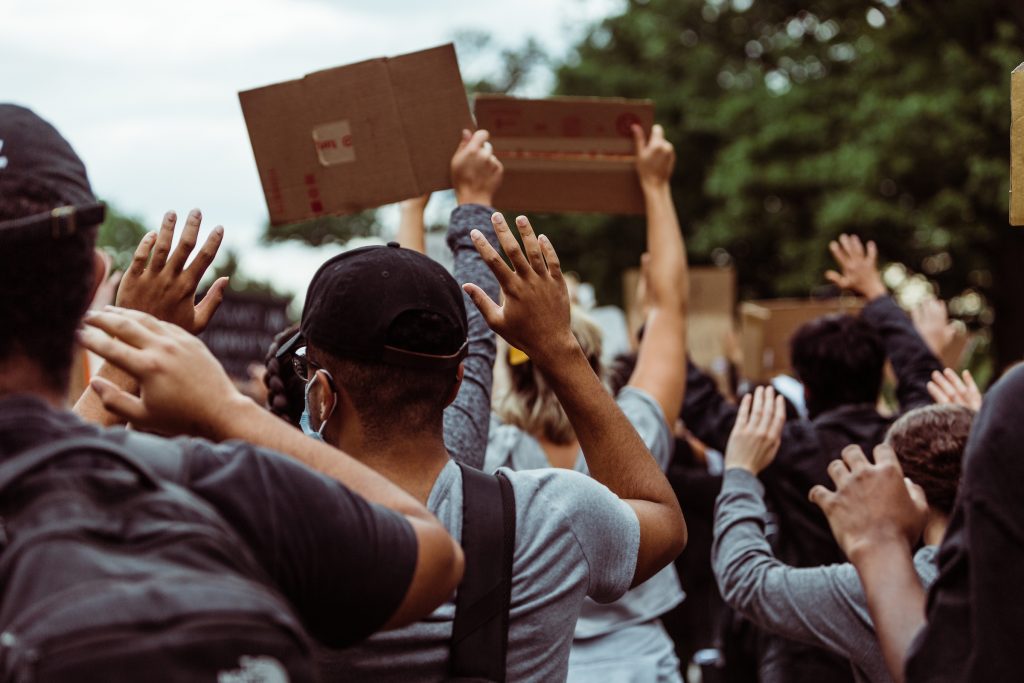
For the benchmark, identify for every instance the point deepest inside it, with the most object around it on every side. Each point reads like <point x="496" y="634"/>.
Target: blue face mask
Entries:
<point x="304" y="420"/>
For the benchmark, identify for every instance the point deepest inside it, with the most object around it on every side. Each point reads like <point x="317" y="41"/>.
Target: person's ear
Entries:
<point x="459" y="374"/>
<point x="100" y="268"/>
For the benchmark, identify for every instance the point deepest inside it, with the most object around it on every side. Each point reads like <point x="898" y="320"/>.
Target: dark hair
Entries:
<point x="839" y="359"/>
<point x="388" y="396"/>
<point x="620" y="370"/>
<point x="929" y="442"/>
<point x="46" y="284"/>
<point x="285" y="389"/>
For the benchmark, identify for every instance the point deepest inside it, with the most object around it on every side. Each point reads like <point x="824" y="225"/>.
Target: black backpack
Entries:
<point x="479" y="647"/>
<point x="110" y="573"/>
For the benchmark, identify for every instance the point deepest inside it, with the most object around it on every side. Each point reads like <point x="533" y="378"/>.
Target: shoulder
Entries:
<point x="646" y="416"/>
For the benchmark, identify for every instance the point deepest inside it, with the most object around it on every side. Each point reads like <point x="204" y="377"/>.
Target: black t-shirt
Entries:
<point x="976" y="606"/>
<point x="343" y="564"/>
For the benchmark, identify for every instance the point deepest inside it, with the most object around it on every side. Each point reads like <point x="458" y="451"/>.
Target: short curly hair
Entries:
<point x="46" y="283"/>
<point x="929" y="442"/>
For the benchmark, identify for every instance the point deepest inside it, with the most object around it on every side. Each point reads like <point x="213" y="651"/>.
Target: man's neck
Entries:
<point x="18" y="375"/>
<point x="412" y="461"/>
<point x="935" y="529"/>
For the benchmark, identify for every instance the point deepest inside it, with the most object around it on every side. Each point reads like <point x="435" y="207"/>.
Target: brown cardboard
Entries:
<point x="1017" y="146"/>
<point x="566" y="154"/>
<point x="766" y="327"/>
<point x="354" y="137"/>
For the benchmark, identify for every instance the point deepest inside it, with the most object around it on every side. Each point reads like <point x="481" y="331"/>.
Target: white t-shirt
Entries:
<point x="574" y="539"/>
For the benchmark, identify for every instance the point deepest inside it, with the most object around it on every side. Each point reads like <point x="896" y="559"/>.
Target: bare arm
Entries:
<point x="661" y="360"/>
<point x="876" y="516"/>
<point x="184" y="390"/>
<point x="535" y="318"/>
<point x="411" y="227"/>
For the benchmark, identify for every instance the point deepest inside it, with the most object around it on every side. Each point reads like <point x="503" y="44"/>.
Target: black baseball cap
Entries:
<point x="356" y="297"/>
<point x="32" y="149"/>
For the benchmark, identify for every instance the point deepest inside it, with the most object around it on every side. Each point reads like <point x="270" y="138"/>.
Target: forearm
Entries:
<point x="895" y="598"/>
<point x="245" y="420"/>
<point x="912" y="360"/>
<point x="90" y="408"/>
<point x="412" y="228"/>
<point x="668" y="277"/>
<point x="467" y="419"/>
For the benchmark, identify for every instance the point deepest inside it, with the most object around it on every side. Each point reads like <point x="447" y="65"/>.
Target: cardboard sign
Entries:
<point x="766" y="327"/>
<point x="355" y="137"/>
<point x="244" y="328"/>
<point x="710" y="314"/>
<point x="566" y="154"/>
<point x="1017" y="146"/>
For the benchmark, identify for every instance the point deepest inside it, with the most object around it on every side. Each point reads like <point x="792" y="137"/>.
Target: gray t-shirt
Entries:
<point x="509" y="446"/>
<point x="823" y="606"/>
<point x="574" y="539"/>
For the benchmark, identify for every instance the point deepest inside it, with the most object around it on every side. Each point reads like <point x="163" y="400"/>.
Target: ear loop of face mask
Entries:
<point x="304" y="421"/>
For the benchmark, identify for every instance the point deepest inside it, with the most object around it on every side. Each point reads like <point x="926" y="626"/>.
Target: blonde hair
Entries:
<point x="530" y="404"/>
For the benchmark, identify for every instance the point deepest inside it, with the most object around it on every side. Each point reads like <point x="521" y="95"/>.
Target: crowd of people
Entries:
<point x="445" y="483"/>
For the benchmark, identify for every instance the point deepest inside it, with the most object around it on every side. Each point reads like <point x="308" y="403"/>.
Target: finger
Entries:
<point x="854" y="458"/>
<point x="187" y="242"/>
<point x="969" y="382"/>
<point x="768" y="410"/>
<point x="124" y="327"/>
<point x="163" y="241"/>
<point x="743" y="416"/>
<point x="779" y="418"/>
<point x="488" y="309"/>
<point x="943" y="383"/>
<point x="115" y="351"/>
<point x="118" y="401"/>
<point x="466" y="135"/>
<point x="207" y="253"/>
<point x="141" y="256"/>
<point x="838" y="251"/>
<point x="531" y="245"/>
<point x="885" y="455"/>
<point x="835" y="278"/>
<point x="937" y="394"/>
<point x="639" y="139"/>
<point x="822" y="497"/>
<point x="509" y="244"/>
<point x="491" y="258"/>
<point x="838" y="472"/>
<point x="551" y="257"/>
<point x="657" y="133"/>
<point x="955" y="381"/>
<point x="856" y="246"/>
<point x="872" y="252"/>
<point x="757" y="406"/>
<point x="917" y="495"/>
<point x="209" y="305"/>
<point x="477" y="140"/>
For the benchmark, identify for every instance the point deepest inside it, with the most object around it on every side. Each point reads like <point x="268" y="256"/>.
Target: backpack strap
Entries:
<point x="479" y="644"/>
<point x="27" y="462"/>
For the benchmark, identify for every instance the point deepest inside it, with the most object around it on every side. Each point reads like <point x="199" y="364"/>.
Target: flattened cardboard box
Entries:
<point x="566" y="154"/>
<point x="1017" y="146"/>
<point x="355" y="137"/>
<point x="766" y="327"/>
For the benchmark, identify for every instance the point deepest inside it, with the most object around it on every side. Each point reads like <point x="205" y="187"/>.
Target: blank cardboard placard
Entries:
<point x="355" y="137"/>
<point x="566" y="154"/>
<point x="767" y="326"/>
<point x="1017" y="146"/>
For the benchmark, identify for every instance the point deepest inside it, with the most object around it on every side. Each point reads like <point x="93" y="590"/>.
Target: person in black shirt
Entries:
<point x="350" y="553"/>
<point x="840" y="361"/>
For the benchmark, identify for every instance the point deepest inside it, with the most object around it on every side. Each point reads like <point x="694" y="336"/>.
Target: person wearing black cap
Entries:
<point x="315" y="547"/>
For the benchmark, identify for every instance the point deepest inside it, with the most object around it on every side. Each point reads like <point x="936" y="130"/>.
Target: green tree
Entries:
<point x="119" y="235"/>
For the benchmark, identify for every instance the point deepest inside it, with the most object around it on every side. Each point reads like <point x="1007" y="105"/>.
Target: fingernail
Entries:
<point x="218" y="231"/>
<point x="171" y="216"/>
<point x="195" y="213"/>
<point x="520" y="220"/>
<point x="496" y="218"/>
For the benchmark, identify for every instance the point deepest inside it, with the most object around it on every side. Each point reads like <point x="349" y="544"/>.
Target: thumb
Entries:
<point x="209" y="305"/>
<point x="639" y="139"/>
<point x="835" y="278"/>
<point x="118" y="401"/>
<point x="490" y="310"/>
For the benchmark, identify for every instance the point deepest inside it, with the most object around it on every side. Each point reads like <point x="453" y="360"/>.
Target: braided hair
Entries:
<point x="285" y="390"/>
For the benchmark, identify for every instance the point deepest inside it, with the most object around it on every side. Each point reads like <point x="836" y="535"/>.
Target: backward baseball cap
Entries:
<point x="32" y="150"/>
<point x="355" y="298"/>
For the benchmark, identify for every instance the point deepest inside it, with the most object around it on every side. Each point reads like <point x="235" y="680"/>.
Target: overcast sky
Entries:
<point x="146" y="92"/>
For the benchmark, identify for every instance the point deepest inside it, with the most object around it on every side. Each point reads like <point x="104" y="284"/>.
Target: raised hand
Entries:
<point x="534" y="316"/>
<point x="476" y="172"/>
<point x="757" y="434"/>
<point x="157" y="281"/>
<point x="655" y="158"/>
<point x="873" y="504"/>
<point x="859" y="265"/>
<point x="183" y="388"/>
<point x="931" y="320"/>
<point x="947" y="387"/>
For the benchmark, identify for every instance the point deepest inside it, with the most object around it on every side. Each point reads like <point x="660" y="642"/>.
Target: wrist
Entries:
<point x="874" y="290"/>
<point x="558" y="355"/>
<point x="227" y="419"/>
<point x="882" y="542"/>
<point x="741" y="466"/>
<point x="656" y="188"/>
<point x="472" y="196"/>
